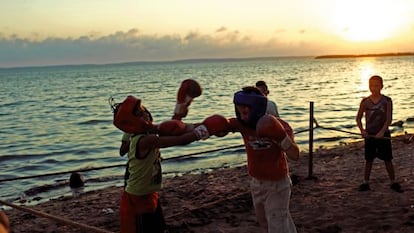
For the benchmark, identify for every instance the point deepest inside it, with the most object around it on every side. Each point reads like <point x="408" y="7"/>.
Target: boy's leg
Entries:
<point x="368" y="168"/>
<point x="277" y="207"/>
<point x="385" y="153"/>
<point x="367" y="173"/>
<point x="127" y="214"/>
<point x="259" y="195"/>
<point x="390" y="169"/>
<point x="370" y="154"/>
<point x="154" y="222"/>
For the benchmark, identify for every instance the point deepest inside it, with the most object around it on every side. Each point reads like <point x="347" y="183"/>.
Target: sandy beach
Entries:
<point x="326" y="202"/>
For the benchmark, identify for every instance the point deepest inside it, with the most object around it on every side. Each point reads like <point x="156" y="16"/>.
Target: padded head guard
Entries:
<point x="128" y="116"/>
<point x="255" y="100"/>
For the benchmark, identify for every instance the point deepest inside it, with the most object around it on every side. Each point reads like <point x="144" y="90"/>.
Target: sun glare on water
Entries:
<point x="366" y="70"/>
<point x="366" y="20"/>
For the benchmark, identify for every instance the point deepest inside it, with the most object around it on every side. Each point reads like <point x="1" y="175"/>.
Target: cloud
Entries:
<point x="132" y="45"/>
<point x="221" y="29"/>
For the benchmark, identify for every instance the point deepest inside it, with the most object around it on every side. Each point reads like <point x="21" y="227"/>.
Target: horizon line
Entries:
<point x="199" y="60"/>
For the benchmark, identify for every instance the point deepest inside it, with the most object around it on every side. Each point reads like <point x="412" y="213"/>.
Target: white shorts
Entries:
<point x="271" y="203"/>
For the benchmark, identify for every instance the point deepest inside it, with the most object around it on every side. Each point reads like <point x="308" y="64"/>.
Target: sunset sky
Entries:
<point x="54" y="32"/>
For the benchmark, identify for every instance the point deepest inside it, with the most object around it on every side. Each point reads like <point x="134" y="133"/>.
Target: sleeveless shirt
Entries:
<point x="265" y="159"/>
<point x="375" y="114"/>
<point x="145" y="173"/>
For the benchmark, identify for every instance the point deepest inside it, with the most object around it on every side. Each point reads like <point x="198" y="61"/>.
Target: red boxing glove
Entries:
<point x="217" y="125"/>
<point x="188" y="90"/>
<point x="269" y="126"/>
<point x="171" y="128"/>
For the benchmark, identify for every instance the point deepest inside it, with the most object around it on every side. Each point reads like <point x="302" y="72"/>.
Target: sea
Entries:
<point x="57" y="120"/>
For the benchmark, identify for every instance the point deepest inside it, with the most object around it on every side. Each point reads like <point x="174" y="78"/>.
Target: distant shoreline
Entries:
<point x="201" y="60"/>
<point x="364" y="55"/>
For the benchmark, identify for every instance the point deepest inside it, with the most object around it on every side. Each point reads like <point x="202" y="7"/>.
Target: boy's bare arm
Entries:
<point x="152" y="141"/>
<point x="358" y="119"/>
<point x="293" y="152"/>
<point x="123" y="149"/>
<point x="168" y="141"/>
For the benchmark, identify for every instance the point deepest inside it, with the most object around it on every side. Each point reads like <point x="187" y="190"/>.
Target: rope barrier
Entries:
<point x="115" y="165"/>
<point x="60" y="173"/>
<point x="203" y="152"/>
<point x="64" y="221"/>
<point x="302" y="131"/>
<point x="343" y="131"/>
<point x="171" y="158"/>
<point x="339" y="130"/>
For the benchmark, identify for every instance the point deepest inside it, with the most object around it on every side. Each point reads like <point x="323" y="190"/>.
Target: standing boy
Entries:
<point x="378" y="116"/>
<point x="268" y="140"/>
<point x="271" y="105"/>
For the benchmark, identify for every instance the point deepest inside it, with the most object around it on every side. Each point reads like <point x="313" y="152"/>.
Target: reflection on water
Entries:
<point x="366" y="71"/>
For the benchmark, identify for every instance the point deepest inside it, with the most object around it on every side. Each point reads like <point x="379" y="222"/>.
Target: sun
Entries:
<point x="366" y="20"/>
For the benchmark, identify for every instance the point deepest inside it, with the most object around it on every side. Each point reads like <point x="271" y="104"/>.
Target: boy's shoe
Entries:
<point x="396" y="187"/>
<point x="364" y="187"/>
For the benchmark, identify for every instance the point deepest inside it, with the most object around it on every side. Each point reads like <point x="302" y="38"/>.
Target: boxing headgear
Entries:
<point x="255" y="100"/>
<point x="128" y="116"/>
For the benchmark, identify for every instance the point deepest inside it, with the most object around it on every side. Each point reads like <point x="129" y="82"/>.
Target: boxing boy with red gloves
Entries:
<point x="139" y="205"/>
<point x="268" y="140"/>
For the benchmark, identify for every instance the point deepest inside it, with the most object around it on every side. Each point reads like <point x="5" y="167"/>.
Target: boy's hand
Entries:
<point x="363" y="133"/>
<point x="380" y="134"/>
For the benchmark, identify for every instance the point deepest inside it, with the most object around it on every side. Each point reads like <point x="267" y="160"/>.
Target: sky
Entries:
<point x="57" y="32"/>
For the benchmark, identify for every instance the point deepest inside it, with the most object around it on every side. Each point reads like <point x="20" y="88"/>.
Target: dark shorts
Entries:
<point x="378" y="148"/>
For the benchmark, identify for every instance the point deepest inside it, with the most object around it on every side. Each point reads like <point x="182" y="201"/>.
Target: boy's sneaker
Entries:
<point x="364" y="187"/>
<point x="396" y="187"/>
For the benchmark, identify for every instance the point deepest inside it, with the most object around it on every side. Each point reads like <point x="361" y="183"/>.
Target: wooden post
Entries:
<point x="310" y="168"/>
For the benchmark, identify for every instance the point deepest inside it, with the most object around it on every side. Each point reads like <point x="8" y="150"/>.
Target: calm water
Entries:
<point x="56" y="119"/>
